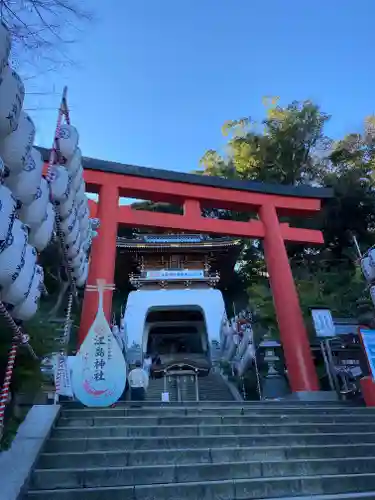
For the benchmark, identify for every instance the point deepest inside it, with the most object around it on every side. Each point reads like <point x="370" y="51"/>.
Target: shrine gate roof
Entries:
<point x="177" y="242"/>
<point x="302" y="191"/>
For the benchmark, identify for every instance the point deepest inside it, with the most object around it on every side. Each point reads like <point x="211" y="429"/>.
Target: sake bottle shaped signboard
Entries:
<point x="99" y="370"/>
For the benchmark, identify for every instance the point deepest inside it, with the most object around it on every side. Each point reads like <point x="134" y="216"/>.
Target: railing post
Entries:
<point x="196" y="386"/>
<point x="178" y="388"/>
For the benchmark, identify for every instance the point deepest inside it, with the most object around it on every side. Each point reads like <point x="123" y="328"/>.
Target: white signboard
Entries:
<point x="165" y="397"/>
<point x="323" y="323"/>
<point x="99" y="370"/>
<point x="175" y="275"/>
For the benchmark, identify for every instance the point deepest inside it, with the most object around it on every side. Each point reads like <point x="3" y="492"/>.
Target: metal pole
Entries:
<point x="196" y="387"/>
<point x="243" y="388"/>
<point x="178" y="381"/>
<point x="355" y="241"/>
<point x="257" y="375"/>
<point x="327" y="366"/>
<point x="332" y="365"/>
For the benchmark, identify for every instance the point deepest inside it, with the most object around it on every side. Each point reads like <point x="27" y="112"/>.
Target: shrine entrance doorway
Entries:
<point x="178" y="337"/>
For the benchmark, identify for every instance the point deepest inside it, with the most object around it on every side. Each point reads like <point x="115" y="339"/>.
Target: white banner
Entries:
<point x="63" y="382"/>
<point x="175" y="275"/>
<point x="323" y="323"/>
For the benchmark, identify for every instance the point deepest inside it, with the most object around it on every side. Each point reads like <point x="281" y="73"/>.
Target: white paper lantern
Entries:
<point x="85" y="214"/>
<point x="65" y="208"/>
<point x="24" y="185"/>
<point x="70" y="227"/>
<point x="15" y="147"/>
<point x="78" y="270"/>
<point x="26" y="309"/>
<point x="41" y="236"/>
<point x="83" y="208"/>
<point x="76" y="262"/>
<point x="73" y="235"/>
<point x="8" y="206"/>
<point x="17" y="291"/>
<point x="2" y="170"/>
<point x="77" y="179"/>
<point x="74" y="165"/>
<point x="84" y="234"/>
<point x="372" y="293"/>
<point x="12" y="253"/>
<point x="67" y="224"/>
<point x="12" y="93"/>
<point x="86" y="244"/>
<point x="84" y="224"/>
<point x="5" y="46"/>
<point x="81" y="192"/>
<point x="231" y="349"/>
<point x="368" y="269"/>
<point x="72" y="249"/>
<point x="68" y="141"/>
<point x="81" y="280"/>
<point x="33" y="214"/>
<point x="246" y="339"/>
<point x="371" y="255"/>
<point x="60" y="184"/>
<point x="247" y="360"/>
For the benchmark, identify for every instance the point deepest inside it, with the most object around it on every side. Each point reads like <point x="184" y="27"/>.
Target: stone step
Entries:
<point x="211" y="420"/>
<point x="370" y="495"/>
<point x="187" y="473"/>
<point x="198" y="456"/>
<point x="237" y="489"/>
<point x="209" y="430"/>
<point x="290" y="403"/>
<point x="64" y="445"/>
<point x="170" y="411"/>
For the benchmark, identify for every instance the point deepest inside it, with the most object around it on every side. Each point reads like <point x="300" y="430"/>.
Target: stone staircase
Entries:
<point x="209" y="451"/>
<point x="211" y="388"/>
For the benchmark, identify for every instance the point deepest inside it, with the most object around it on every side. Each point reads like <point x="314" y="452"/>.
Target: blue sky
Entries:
<point x="156" y="80"/>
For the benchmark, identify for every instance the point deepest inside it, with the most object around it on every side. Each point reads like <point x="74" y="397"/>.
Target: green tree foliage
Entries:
<point x="289" y="146"/>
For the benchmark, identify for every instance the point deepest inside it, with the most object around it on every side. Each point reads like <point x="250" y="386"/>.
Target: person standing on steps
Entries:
<point x="138" y="382"/>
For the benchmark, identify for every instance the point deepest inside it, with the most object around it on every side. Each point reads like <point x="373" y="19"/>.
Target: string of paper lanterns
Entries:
<point x="31" y="206"/>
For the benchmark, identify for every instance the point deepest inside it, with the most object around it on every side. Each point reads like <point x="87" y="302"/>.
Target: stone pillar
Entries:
<point x="103" y="258"/>
<point x="301" y="370"/>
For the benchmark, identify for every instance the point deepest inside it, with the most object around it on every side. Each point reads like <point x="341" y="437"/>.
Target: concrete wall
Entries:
<point x="17" y="463"/>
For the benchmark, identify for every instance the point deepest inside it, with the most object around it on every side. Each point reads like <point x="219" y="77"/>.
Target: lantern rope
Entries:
<point x="55" y="156"/>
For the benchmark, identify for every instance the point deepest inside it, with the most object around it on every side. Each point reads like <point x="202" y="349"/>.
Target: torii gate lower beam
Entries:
<point x="194" y="193"/>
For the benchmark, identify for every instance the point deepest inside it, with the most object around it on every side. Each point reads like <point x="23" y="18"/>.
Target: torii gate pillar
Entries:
<point x="301" y="370"/>
<point x="103" y="257"/>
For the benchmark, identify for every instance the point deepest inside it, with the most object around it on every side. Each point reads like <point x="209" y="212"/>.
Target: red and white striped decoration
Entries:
<point x="6" y="385"/>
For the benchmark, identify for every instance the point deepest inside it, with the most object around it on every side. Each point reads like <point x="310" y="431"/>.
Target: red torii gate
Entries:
<point x="194" y="192"/>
